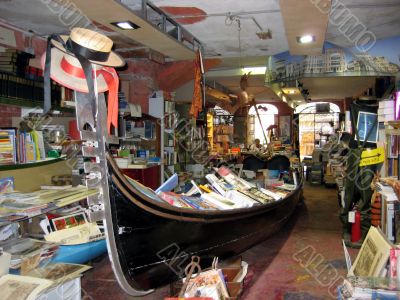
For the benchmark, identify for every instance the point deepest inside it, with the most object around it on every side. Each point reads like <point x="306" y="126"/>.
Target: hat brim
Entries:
<point x="114" y="60"/>
<point x="66" y="79"/>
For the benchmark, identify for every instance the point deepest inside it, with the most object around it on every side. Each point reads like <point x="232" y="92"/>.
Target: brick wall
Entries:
<point x="6" y="114"/>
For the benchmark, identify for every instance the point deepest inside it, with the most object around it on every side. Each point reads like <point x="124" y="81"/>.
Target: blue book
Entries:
<point x="168" y="185"/>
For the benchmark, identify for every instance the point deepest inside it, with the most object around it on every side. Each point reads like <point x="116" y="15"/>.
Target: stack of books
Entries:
<point x="8" y="60"/>
<point x="225" y="190"/>
<point x="8" y="148"/>
<point x="21" y="147"/>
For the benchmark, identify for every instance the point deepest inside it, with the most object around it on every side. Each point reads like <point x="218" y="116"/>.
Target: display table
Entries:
<point x="147" y="175"/>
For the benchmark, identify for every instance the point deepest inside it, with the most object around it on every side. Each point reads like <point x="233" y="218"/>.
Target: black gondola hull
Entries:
<point x="155" y="242"/>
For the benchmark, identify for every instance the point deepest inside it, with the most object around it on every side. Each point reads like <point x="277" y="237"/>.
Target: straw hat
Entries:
<point x="67" y="71"/>
<point x="92" y="45"/>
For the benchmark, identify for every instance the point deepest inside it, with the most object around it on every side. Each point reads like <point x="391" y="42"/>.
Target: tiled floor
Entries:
<point x="303" y="261"/>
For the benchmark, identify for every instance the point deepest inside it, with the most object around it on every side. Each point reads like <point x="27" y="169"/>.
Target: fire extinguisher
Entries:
<point x="356" y="227"/>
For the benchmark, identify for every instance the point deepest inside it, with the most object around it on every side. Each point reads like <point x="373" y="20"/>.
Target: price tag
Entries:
<point x="352" y="216"/>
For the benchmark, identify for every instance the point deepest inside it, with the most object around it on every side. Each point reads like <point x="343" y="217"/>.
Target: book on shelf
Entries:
<point x="8" y="146"/>
<point x="21" y="147"/>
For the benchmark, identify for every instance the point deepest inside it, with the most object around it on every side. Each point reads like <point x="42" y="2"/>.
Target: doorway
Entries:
<point x="267" y="113"/>
<point x="317" y="122"/>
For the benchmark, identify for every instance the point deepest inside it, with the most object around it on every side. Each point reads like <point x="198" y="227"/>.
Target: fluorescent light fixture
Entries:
<point x="254" y="70"/>
<point x="305" y="39"/>
<point x="126" y="25"/>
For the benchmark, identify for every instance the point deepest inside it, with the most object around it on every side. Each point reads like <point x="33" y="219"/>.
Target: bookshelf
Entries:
<point x="392" y="135"/>
<point x="57" y="200"/>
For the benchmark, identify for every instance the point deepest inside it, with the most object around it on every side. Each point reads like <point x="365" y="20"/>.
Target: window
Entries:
<point x="267" y="114"/>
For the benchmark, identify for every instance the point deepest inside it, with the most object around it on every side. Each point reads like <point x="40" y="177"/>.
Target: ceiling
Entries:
<point x="216" y="25"/>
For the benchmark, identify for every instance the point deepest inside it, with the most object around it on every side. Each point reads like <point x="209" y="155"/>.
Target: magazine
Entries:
<point x="233" y="179"/>
<point x="373" y="255"/>
<point x="219" y="201"/>
<point x="17" y="287"/>
<point x="208" y="284"/>
<point x="59" y="272"/>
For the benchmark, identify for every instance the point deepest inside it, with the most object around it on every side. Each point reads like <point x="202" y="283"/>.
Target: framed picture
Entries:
<point x="367" y="122"/>
<point x="69" y="221"/>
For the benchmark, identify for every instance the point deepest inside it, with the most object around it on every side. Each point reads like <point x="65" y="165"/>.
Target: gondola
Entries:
<point x="155" y="240"/>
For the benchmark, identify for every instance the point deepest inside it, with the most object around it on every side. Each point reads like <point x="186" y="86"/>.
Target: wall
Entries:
<point x="146" y="76"/>
<point x="7" y="112"/>
<point x="340" y="103"/>
<point x="283" y="108"/>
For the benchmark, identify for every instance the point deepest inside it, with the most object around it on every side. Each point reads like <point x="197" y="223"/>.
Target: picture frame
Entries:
<point x="68" y="221"/>
<point x="367" y="121"/>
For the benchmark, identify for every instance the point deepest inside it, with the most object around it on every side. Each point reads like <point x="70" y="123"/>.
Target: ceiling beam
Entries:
<point x="305" y="18"/>
<point x="106" y="12"/>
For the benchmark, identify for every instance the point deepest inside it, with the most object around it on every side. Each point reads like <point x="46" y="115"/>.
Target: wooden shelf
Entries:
<point x="31" y="164"/>
<point x="59" y="202"/>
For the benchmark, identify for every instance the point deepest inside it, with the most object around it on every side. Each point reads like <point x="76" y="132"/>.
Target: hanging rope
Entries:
<point x="240" y="42"/>
<point x="229" y="20"/>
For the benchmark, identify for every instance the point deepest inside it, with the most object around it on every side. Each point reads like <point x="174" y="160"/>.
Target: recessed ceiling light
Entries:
<point x="126" y="25"/>
<point x="305" y="39"/>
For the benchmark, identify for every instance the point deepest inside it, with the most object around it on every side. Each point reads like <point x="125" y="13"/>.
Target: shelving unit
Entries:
<point x="223" y="130"/>
<point x="311" y="126"/>
<point x="57" y="202"/>
<point x="170" y="154"/>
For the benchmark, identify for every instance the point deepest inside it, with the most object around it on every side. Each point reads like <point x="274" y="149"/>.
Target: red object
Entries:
<point x="356" y="228"/>
<point x="111" y="78"/>
<point x="149" y="177"/>
<point x="73" y="131"/>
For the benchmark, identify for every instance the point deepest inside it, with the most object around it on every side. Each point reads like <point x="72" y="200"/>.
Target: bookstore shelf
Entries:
<point x="57" y="202"/>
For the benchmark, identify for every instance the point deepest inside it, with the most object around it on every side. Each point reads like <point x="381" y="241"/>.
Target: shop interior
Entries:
<point x="169" y="150"/>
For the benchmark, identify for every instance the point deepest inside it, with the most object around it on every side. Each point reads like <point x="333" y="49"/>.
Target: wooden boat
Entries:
<point x="150" y="242"/>
<point x="156" y="240"/>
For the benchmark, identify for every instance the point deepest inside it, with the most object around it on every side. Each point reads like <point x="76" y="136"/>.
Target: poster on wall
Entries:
<point x="367" y="127"/>
<point x="284" y="129"/>
<point x="380" y="60"/>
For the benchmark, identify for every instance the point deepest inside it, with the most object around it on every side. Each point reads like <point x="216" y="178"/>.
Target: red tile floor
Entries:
<point x="302" y="261"/>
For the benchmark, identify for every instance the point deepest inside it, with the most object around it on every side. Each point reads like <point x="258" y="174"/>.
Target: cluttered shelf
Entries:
<point x="16" y="207"/>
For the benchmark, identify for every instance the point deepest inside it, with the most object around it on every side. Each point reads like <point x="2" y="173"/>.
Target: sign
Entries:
<point x="367" y="127"/>
<point x="372" y="157"/>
